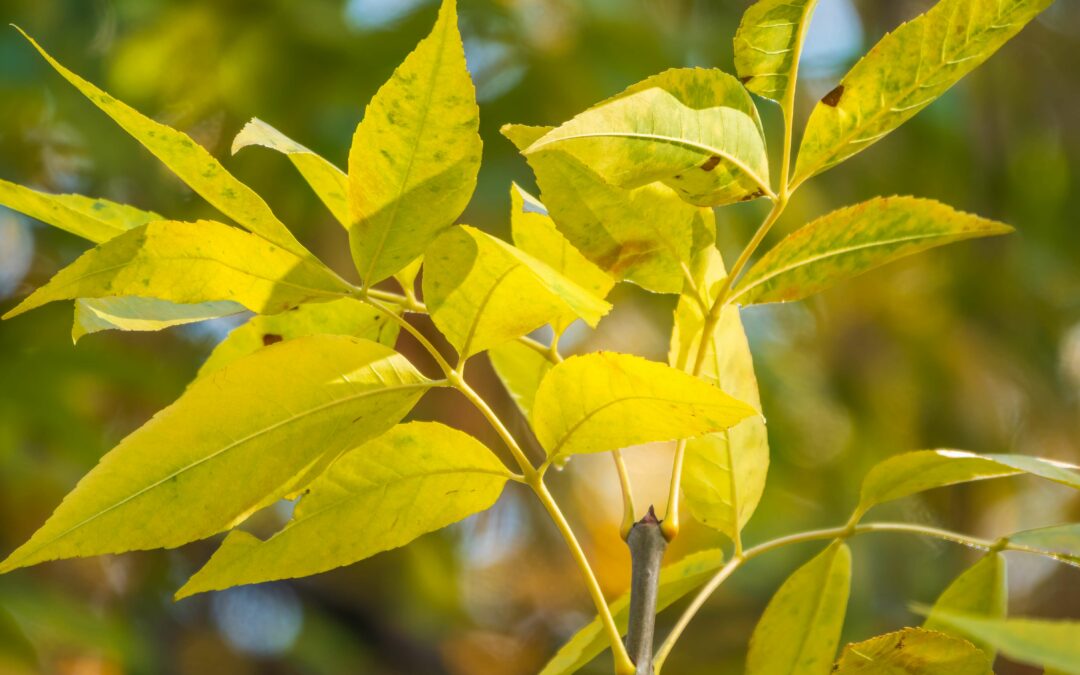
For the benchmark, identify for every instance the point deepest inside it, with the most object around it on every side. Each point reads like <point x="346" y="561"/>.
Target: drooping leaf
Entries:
<point x="190" y="162"/>
<point x="482" y="292"/>
<point x="912" y="472"/>
<point x="191" y="263"/>
<point x="710" y="156"/>
<point x="905" y="72"/>
<point x="95" y="219"/>
<point x="913" y="651"/>
<point x="800" y="629"/>
<point x="607" y="401"/>
<point x="723" y="473"/>
<point x="676" y="580"/>
<point x="414" y="157"/>
<point x="535" y="233"/>
<point x="853" y="240"/>
<point x="1051" y="644"/>
<point x="982" y="590"/>
<point x="521" y="369"/>
<point x="415" y="478"/>
<point x="330" y="183"/>
<point x="142" y="314"/>
<point x="234" y="442"/>
<point x="338" y="317"/>
<point x="1059" y="541"/>
<point x="768" y="45"/>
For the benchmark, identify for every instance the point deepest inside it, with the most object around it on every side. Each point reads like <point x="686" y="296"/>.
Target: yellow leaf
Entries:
<point x="95" y="219"/>
<point x="913" y="651"/>
<point x="142" y="314"/>
<point x="521" y="369"/>
<point x="1054" y="645"/>
<point x="981" y="590"/>
<point x="768" y="45"/>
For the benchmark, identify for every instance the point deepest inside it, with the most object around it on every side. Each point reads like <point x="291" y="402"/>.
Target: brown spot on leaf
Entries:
<point x="753" y="195"/>
<point x="833" y="97"/>
<point x="746" y="79"/>
<point x="710" y="163"/>
<point x="271" y="338"/>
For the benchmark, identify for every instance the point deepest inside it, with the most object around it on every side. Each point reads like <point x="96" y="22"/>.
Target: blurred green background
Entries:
<point x="975" y="346"/>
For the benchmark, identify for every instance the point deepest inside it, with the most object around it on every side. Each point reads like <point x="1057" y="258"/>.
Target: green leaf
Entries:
<point x="414" y="479"/>
<point x="724" y="473"/>
<point x="912" y="472"/>
<point x="234" y="442"/>
<point x="904" y="73"/>
<point x="1061" y="542"/>
<point x="534" y="232"/>
<point x="676" y="580"/>
<point x="853" y="240"/>
<point x="982" y="590"/>
<point x="142" y="314"/>
<point x="415" y="156"/>
<point x="482" y="292"/>
<point x="768" y="45"/>
<point x="913" y="651"/>
<point x="190" y="263"/>
<point x="1050" y="644"/>
<point x="338" y="317"/>
<point x="190" y="162"/>
<point x="330" y="183"/>
<point x="521" y="369"/>
<point x="95" y="219"/>
<point x="607" y="401"/>
<point x="711" y="156"/>
<point x="800" y="629"/>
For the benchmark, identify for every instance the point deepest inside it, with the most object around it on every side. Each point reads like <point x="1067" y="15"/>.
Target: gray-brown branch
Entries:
<point x="647" y="545"/>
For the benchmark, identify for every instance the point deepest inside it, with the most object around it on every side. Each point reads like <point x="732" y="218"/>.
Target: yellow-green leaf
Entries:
<point x="912" y="472"/>
<point x="329" y="183"/>
<point x="346" y="316"/>
<point x="414" y="479"/>
<point x="234" y="442"/>
<point x="768" y="45"/>
<point x="606" y="401"/>
<point x="482" y="292"/>
<point x="800" y="629"/>
<point x="854" y="240"/>
<point x="676" y="580"/>
<point x="95" y="219"/>
<point x="190" y="162"/>
<point x="1061" y="542"/>
<point x="913" y="651"/>
<point x="904" y="73"/>
<point x="521" y="369"/>
<point x="191" y="263"/>
<point x="981" y="590"/>
<point x="1040" y="642"/>
<point x="724" y="473"/>
<point x="415" y="156"/>
<point x="142" y="314"/>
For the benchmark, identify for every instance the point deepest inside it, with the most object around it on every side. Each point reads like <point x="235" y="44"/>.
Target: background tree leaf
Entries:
<point x="415" y="156"/>
<point x="854" y="240"/>
<point x="913" y="651"/>
<point x="1040" y="642"/>
<point x="982" y="590"/>
<point x="415" y="478"/>
<point x="768" y="45"/>
<point x="521" y="369"/>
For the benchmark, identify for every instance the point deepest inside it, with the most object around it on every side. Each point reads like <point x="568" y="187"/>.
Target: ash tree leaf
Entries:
<point x="853" y="240"/>
<point x="676" y="581"/>
<point x="768" y="45"/>
<point x="520" y="369"/>
<point x="482" y="292"/>
<point x="1054" y="645"/>
<point x="414" y="479"/>
<point x="904" y="73"/>
<point x="190" y="162"/>
<point x="415" y="155"/>
<point x="913" y="472"/>
<point x="981" y="590"/>
<point x="234" y="442"/>
<point x="800" y="629"/>
<point x="192" y="263"/>
<point x="95" y="219"/>
<point x="143" y="314"/>
<point x="913" y="651"/>
<point x="724" y="473"/>
<point x="346" y="316"/>
<point x="1061" y="542"/>
<point x="607" y="401"/>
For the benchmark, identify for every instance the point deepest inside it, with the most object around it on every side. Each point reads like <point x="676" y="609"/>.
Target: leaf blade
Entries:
<point x="913" y="651"/>
<point x="768" y="45"/>
<point x="981" y="590"/>
<point x="1041" y="642"/>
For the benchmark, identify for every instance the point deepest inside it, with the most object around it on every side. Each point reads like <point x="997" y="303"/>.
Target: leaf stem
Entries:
<point x="628" y="518"/>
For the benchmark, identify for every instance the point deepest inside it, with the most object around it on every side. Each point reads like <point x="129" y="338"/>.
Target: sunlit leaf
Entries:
<point x="338" y="317"/>
<point x="482" y="292"/>
<point x="981" y="590"/>
<point x="853" y="240"/>
<point x="800" y="629"/>
<point x="190" y="162"/>
<point x="676" y="580"/>
<point x="95" y="219"/>
<point x="1040" y="642"/>
<point x="905" y="72"/>
<point x="143" y="314"/>
<point x="414" y="479"/>
<point x="234" y="442"/>
<point x="769" y="43"/>
<point x="913" y="651"/>
<point x="1059" y="541"/>
<point x="191" y="263"/>
<point x="606" y="401"/>
<point x="723" y="473"/>
<point x="521" y="369"/>
<point x="414" y="157"/>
